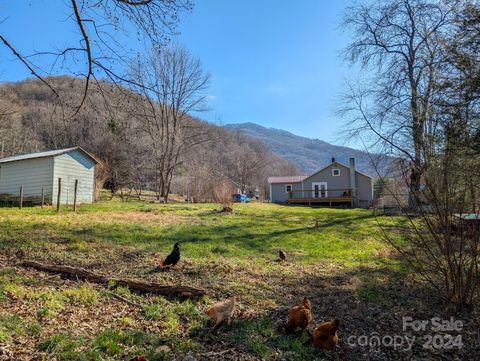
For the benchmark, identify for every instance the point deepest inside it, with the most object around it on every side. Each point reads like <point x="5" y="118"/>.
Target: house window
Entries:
<point x="336" y="172"/>
<point x="288" y="188"/>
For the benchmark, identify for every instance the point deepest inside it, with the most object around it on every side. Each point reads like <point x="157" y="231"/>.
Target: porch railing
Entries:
<point x="338" y="195"/>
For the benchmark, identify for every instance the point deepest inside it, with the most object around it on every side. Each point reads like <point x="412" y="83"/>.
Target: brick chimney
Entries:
<point x="353" y="182"/>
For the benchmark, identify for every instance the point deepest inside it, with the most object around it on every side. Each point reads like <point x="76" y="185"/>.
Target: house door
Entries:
<point x="319" y="190"/>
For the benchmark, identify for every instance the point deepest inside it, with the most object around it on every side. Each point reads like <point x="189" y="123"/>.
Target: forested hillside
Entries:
<point x="308" y="154"/>
<point x="212" y="161"/>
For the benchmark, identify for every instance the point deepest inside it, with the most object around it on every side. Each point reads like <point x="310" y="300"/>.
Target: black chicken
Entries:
<point x="173" y="258"/>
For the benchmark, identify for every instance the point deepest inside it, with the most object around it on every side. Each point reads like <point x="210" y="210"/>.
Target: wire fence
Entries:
<point x="41" y="196"/>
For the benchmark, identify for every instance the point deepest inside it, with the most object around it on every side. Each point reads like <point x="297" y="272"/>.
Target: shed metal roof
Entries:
<point x="50" y="153"/>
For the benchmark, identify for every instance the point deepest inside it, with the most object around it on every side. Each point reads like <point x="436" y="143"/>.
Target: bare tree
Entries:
<point x="173" y="85"/>
<point x="102" y="25"/>
<point x="275" y="166"/>
<point x="420" y="104"/>
<point x="399" y="42"/>
<point x="223" y="190"/>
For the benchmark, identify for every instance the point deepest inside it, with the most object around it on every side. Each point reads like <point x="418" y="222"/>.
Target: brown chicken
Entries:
<point x="221" y="311"/>
<point x="299" y="316"/>
<point x="139" y="358"/>
<point x="325" y="336"/>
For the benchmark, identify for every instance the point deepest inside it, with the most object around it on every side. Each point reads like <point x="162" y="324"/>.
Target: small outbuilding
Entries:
<point x="40" y="172"/>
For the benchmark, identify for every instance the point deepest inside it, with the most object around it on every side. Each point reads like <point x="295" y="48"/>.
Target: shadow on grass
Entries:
<point x="367" y="302"/>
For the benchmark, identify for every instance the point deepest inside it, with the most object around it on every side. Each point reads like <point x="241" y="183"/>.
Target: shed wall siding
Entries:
<point x="32" y="174"/>
<point x="69" y="167"/>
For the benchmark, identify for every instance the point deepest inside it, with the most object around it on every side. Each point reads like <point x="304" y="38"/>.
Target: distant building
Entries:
<point x="42" y="170"/>
<point x="335" y="184"/>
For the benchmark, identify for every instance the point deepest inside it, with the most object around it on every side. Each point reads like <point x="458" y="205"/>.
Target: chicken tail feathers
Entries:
<point x="289" y="328"/>
<point x="161" y="267"/>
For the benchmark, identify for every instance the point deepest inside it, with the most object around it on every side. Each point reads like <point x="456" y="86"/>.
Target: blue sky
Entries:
<point x="272" y="62"/>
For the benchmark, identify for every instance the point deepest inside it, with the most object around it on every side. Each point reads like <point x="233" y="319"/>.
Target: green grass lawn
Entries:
<point x="225" y="254"/>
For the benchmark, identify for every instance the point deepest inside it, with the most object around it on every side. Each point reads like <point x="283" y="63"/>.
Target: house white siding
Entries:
<point x="73" y="166"/>
<point x="32" y="174"/>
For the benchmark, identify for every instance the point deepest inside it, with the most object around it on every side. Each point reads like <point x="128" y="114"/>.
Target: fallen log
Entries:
<point x="134" y="285"/>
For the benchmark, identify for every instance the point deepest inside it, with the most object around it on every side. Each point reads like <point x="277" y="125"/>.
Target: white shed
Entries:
<point x="42" y="170"/>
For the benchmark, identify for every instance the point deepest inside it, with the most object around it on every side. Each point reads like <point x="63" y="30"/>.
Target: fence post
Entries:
<point x="20" y="204"/>
<point x="43" y="196"/>
<point x="75" y="196"/>
<point x="59" y="193"/>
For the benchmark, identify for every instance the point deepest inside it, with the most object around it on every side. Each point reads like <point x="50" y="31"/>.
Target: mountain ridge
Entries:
<point x="309" y="155"/>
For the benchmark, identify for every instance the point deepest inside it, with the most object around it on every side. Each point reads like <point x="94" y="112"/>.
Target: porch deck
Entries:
<point x="317" y="196"/>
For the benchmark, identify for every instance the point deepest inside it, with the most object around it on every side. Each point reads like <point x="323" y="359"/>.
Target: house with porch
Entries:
<point x="335" y="184"/>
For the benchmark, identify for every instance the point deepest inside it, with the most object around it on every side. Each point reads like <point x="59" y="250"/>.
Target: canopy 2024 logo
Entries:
<point x="443" y="334"/>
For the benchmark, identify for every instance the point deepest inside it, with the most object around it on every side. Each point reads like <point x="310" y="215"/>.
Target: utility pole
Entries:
<point x="1" y="155"/>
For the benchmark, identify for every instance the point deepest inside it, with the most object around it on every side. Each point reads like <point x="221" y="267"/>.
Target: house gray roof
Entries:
<point x="287" y="179"/>
<point x="50" y="153"/>
<point x="301" y="178"/>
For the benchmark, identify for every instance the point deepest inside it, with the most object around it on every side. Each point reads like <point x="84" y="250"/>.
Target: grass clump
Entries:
<point x="34" y="328"/>
<point x="57" y="343"/>
<point x="113" y="343"/>
<point x="109" y="342"/>
<point x="68" y="348"/>
<point x="165" y="314"/>
<point x="10" y="325"/>
<point x="254" y="335"/>
<point x="370" y="294"/>
<point x="84" y="295"/>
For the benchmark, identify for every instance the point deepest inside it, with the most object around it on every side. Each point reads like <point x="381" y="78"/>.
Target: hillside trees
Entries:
<point x="101" y="127"/>
<point x="113" y="132"/>
<point x="223" y="161"/>
<point x="245" y="163"/>
<point x="172" y="84"/>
